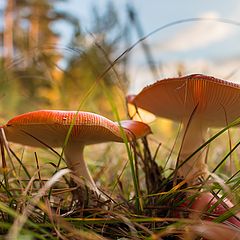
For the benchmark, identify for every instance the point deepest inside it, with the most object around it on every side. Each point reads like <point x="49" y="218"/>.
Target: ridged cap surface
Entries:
<point x="51" y="127"/>
<point x="217" y="102"/>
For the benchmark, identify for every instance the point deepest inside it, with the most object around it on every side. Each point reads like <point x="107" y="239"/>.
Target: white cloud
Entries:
<point x="200" y="34"/>
<point x="227" y="69"/>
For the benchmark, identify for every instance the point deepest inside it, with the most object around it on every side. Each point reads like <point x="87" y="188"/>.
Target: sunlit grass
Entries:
<point x="55" y="216"/>
<point x="117" y="171"/>
<point x="144" y="200"/>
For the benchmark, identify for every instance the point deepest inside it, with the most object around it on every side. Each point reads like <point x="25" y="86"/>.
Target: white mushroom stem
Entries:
<point x="75" y="162"/>
<point x="192" y="139"/>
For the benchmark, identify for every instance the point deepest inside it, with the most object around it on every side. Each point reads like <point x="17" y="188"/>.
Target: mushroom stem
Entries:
<point x="192" y="140"/>
<point x="75" y="162"/>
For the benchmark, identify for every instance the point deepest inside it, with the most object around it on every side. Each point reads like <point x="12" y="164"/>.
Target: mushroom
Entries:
<point x="204" y="201"/>
<point x="51" y="127"/>
<point x="198" y="102"/>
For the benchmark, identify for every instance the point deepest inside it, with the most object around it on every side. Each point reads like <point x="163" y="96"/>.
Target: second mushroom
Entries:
<point x="198" y="102"/>
<point x="51" y="127"/>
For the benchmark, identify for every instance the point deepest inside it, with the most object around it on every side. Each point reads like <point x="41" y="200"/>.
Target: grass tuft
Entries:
<point x="36" y="206"/>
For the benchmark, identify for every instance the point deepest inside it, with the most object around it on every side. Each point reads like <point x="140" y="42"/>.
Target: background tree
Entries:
<point x="31" y="53"/>
<point x="33" y="67"/>
<point x="95" y="51"/>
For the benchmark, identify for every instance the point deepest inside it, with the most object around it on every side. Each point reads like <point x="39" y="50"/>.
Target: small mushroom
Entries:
<point x="51" y="127"/>
<point x="205" y="201"/>
<point x="198" y="102"/>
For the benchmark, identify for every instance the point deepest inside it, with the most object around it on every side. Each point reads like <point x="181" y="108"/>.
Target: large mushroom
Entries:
<point x="51" y="128"/>
<point x="198" y="102"/>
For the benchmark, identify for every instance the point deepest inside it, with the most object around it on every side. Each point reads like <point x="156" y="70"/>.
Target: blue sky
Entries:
<point x="155" y="13"/>
<point x="205" y="46"/>
<point x="220" y="40"/>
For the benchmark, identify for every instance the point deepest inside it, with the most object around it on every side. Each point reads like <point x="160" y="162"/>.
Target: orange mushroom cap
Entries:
<point x="217" y="101"/>
<point x="51" y="128"/>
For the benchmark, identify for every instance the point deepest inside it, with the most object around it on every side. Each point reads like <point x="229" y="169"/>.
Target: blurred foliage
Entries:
<point x="36" y="72"/>
<point x="84" y="67"/>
